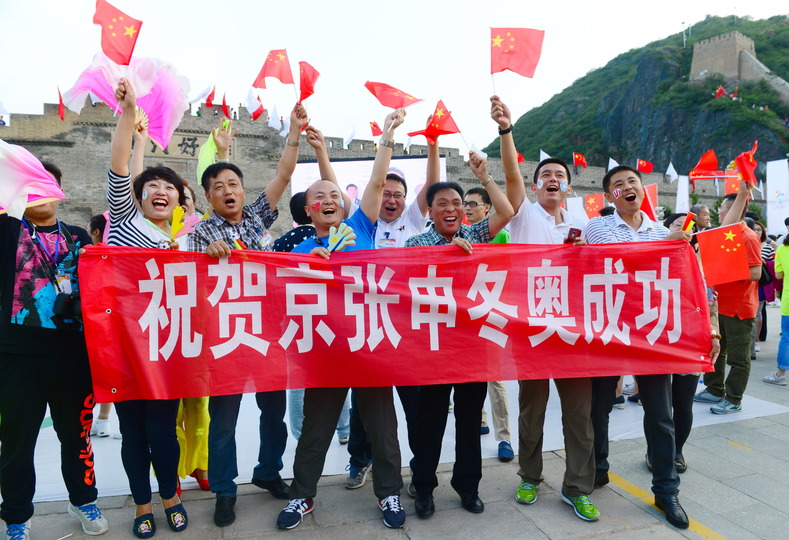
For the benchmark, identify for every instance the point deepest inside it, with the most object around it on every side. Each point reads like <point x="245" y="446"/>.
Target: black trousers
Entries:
<point x="27" y="385"/>
<point x="603" y="396"/>
<point x="656" y="397"/>
<point x="148" y="429"/>
<point x="432" y="422"/>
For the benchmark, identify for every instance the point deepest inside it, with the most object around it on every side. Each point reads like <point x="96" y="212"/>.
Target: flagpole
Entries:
<point x="493" y="82"/>
<point x="468" y="148"/>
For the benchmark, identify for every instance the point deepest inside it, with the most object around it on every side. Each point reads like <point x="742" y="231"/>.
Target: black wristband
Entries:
<point x="505" y="131"/>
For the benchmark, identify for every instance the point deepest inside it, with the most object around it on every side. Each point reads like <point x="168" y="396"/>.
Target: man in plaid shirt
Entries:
<point x="234" y="225"/>
<point x="445" y="207"/>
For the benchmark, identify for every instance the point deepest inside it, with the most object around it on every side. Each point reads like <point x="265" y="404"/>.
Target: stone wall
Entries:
<point x="80" y="146"/>
<point x="720" y="54"/>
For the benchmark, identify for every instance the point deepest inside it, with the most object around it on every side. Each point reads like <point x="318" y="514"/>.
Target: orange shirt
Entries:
<point x="741" y="298"/>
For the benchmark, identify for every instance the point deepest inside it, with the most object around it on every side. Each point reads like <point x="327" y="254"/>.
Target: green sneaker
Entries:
<point x="526" y="493"/>
<point x="583" y="507"/>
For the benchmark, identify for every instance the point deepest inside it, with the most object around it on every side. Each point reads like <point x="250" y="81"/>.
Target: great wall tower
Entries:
<point x="733" y="55"/>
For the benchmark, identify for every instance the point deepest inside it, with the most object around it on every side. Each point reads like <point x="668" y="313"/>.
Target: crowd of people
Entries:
<point x="39" y="288"/>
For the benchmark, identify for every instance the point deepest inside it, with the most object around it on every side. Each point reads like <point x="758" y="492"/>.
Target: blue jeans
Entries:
<point x="783" y="345"/>
<point x="296" y="411"/>
<point x="222" y="462"/>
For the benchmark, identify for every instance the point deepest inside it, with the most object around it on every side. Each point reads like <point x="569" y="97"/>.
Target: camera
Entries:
<point x="68" y="306"/>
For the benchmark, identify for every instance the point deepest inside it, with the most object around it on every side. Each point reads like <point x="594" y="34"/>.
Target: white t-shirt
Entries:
<point x="394" y="234"/>
<point x="534" y="225"/>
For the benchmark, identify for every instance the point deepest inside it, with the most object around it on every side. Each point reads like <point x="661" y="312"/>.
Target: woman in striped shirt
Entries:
<point x="140" y="215"/>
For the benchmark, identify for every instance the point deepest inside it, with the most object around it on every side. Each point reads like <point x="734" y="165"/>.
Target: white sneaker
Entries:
<point x="101" y="427"/>
<point x="756" y="347"/>
<point x="18" y="531"/>
<point x="89" y="515"/>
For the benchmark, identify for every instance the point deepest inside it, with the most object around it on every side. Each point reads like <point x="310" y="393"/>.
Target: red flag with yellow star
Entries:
<point x="515" y="49"/>
<point x="118" y="32"/>
<point x="579" y="159"/>
<point x="389" y="96"/>
<point x="644" y="166"/>
<point x="732" y="185"/>
<point x="277" y="66"/>
<point x="61" y="106"/>
<point x="723" y="254"/>
<point x="593" y="204"/>
<point x="441" y="123"/>
<point x="307" y="77"/>
<point x="521" y="159"/>
<point x="746" y="164"/>
<point x="376" y="129"/>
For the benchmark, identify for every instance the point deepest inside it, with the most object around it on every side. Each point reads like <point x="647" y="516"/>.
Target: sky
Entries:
<point x="431" y="49"/>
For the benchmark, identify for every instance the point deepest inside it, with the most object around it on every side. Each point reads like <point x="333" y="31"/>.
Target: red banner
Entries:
<point x="169" y="324"/>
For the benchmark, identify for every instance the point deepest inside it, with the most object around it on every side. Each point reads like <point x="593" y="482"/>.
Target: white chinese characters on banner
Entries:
<point x="549" y="303"/>
<point x="239" y="296"/>
<point x="306" y="309"/>
<point x="491" y="299"/>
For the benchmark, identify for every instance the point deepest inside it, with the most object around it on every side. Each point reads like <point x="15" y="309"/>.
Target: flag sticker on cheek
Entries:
<point x="563" y="185"/>
<point x="540" y="183"/>
<point x="617" y="193"/>
<point x="316" y="206"/>
<point x="144" y="195"/>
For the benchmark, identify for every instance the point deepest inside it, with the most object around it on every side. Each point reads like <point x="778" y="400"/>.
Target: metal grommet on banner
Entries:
<point x="700" y="357"/>
<point x="114" y="390"/>
<point x="698" y="309"/>
<point x="103" y="256"/>
<point x="108" y="311"/>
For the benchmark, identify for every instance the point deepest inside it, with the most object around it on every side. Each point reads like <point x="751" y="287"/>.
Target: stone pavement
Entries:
<point x="736" y="486"/>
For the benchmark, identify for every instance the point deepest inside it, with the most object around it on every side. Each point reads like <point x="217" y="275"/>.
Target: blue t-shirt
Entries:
<point x="361" y="225"/>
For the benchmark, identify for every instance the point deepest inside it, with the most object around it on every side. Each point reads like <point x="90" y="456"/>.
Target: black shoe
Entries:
<point x="423" y="506"/>
<point x="224" y="514"/>
<point x="674" y="512"/>
<point x="601" y="479"/>
<point x="278" y="488"/>
<point x="679" y="464"/>
<point x="649" y="463"/>
<point x="472" y="502"/>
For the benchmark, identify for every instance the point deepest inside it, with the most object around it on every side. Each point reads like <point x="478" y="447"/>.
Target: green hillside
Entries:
<point x="642" y="105"/>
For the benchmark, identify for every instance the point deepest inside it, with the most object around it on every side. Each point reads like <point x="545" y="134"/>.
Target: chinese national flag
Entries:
<point x="376" y="129"/>
<point x="650" y="202"/>
<point x="706" y="166"/>
<point x="277" y="66"/>
<point x="723" y="255"/>
<point x="209" y="100"/>
<point x="389" y="96"/>
<point x="746" y="164"/>
<point x="732" y="185"/>
<point x="61" y="106"/>
<point x="521" y="159"/>
<point x="593" y="204"/>
<point x="225" y="110"/>
<point x="118" y="32"/>
<point x="579" y="159"/>
<point x="515" y="49"/>
<point x="441" y="123"/>
<point x="644" y="166"/>
<point x="720" y="92"/>
<point x="307" y="77"/>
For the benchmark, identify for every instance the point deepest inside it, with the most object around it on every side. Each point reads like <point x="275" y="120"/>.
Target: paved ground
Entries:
<point x="736" y="486"/>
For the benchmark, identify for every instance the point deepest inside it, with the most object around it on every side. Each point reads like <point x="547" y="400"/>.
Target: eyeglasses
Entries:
<point x="472" y="204"/>
<point x="395" y="196"/>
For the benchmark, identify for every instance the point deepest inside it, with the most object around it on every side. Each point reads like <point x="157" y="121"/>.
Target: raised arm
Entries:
<point x="503" y="209"/>
<point x="738" y="206"/>
<point x="287" y="163"/>
<point x="433" y="173"/>
<point x="516" y="190"/>
<point x="140" y="136"/>
<point x="316" y="140"/>
<point x="122" y="139"/>
<point x="373" y="193"/>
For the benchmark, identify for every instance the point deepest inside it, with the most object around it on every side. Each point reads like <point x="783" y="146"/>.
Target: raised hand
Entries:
<point x="315" y="137"/>
<point x="124" y="93"/>
<point x="394" y="119"/>
<point x="500" y="112"/>
<point x="478" y="165"/>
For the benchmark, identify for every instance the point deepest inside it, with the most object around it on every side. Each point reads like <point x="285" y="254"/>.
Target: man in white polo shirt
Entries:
<point x="546" y="222"/>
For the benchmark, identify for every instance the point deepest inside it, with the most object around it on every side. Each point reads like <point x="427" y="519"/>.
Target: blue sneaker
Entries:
<point x="291" y="516"/>
<point x="705" y="397"/>
<point x="505" y="451"/>
<point x="18" y="531"/>
<point x="394" y="515"/>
